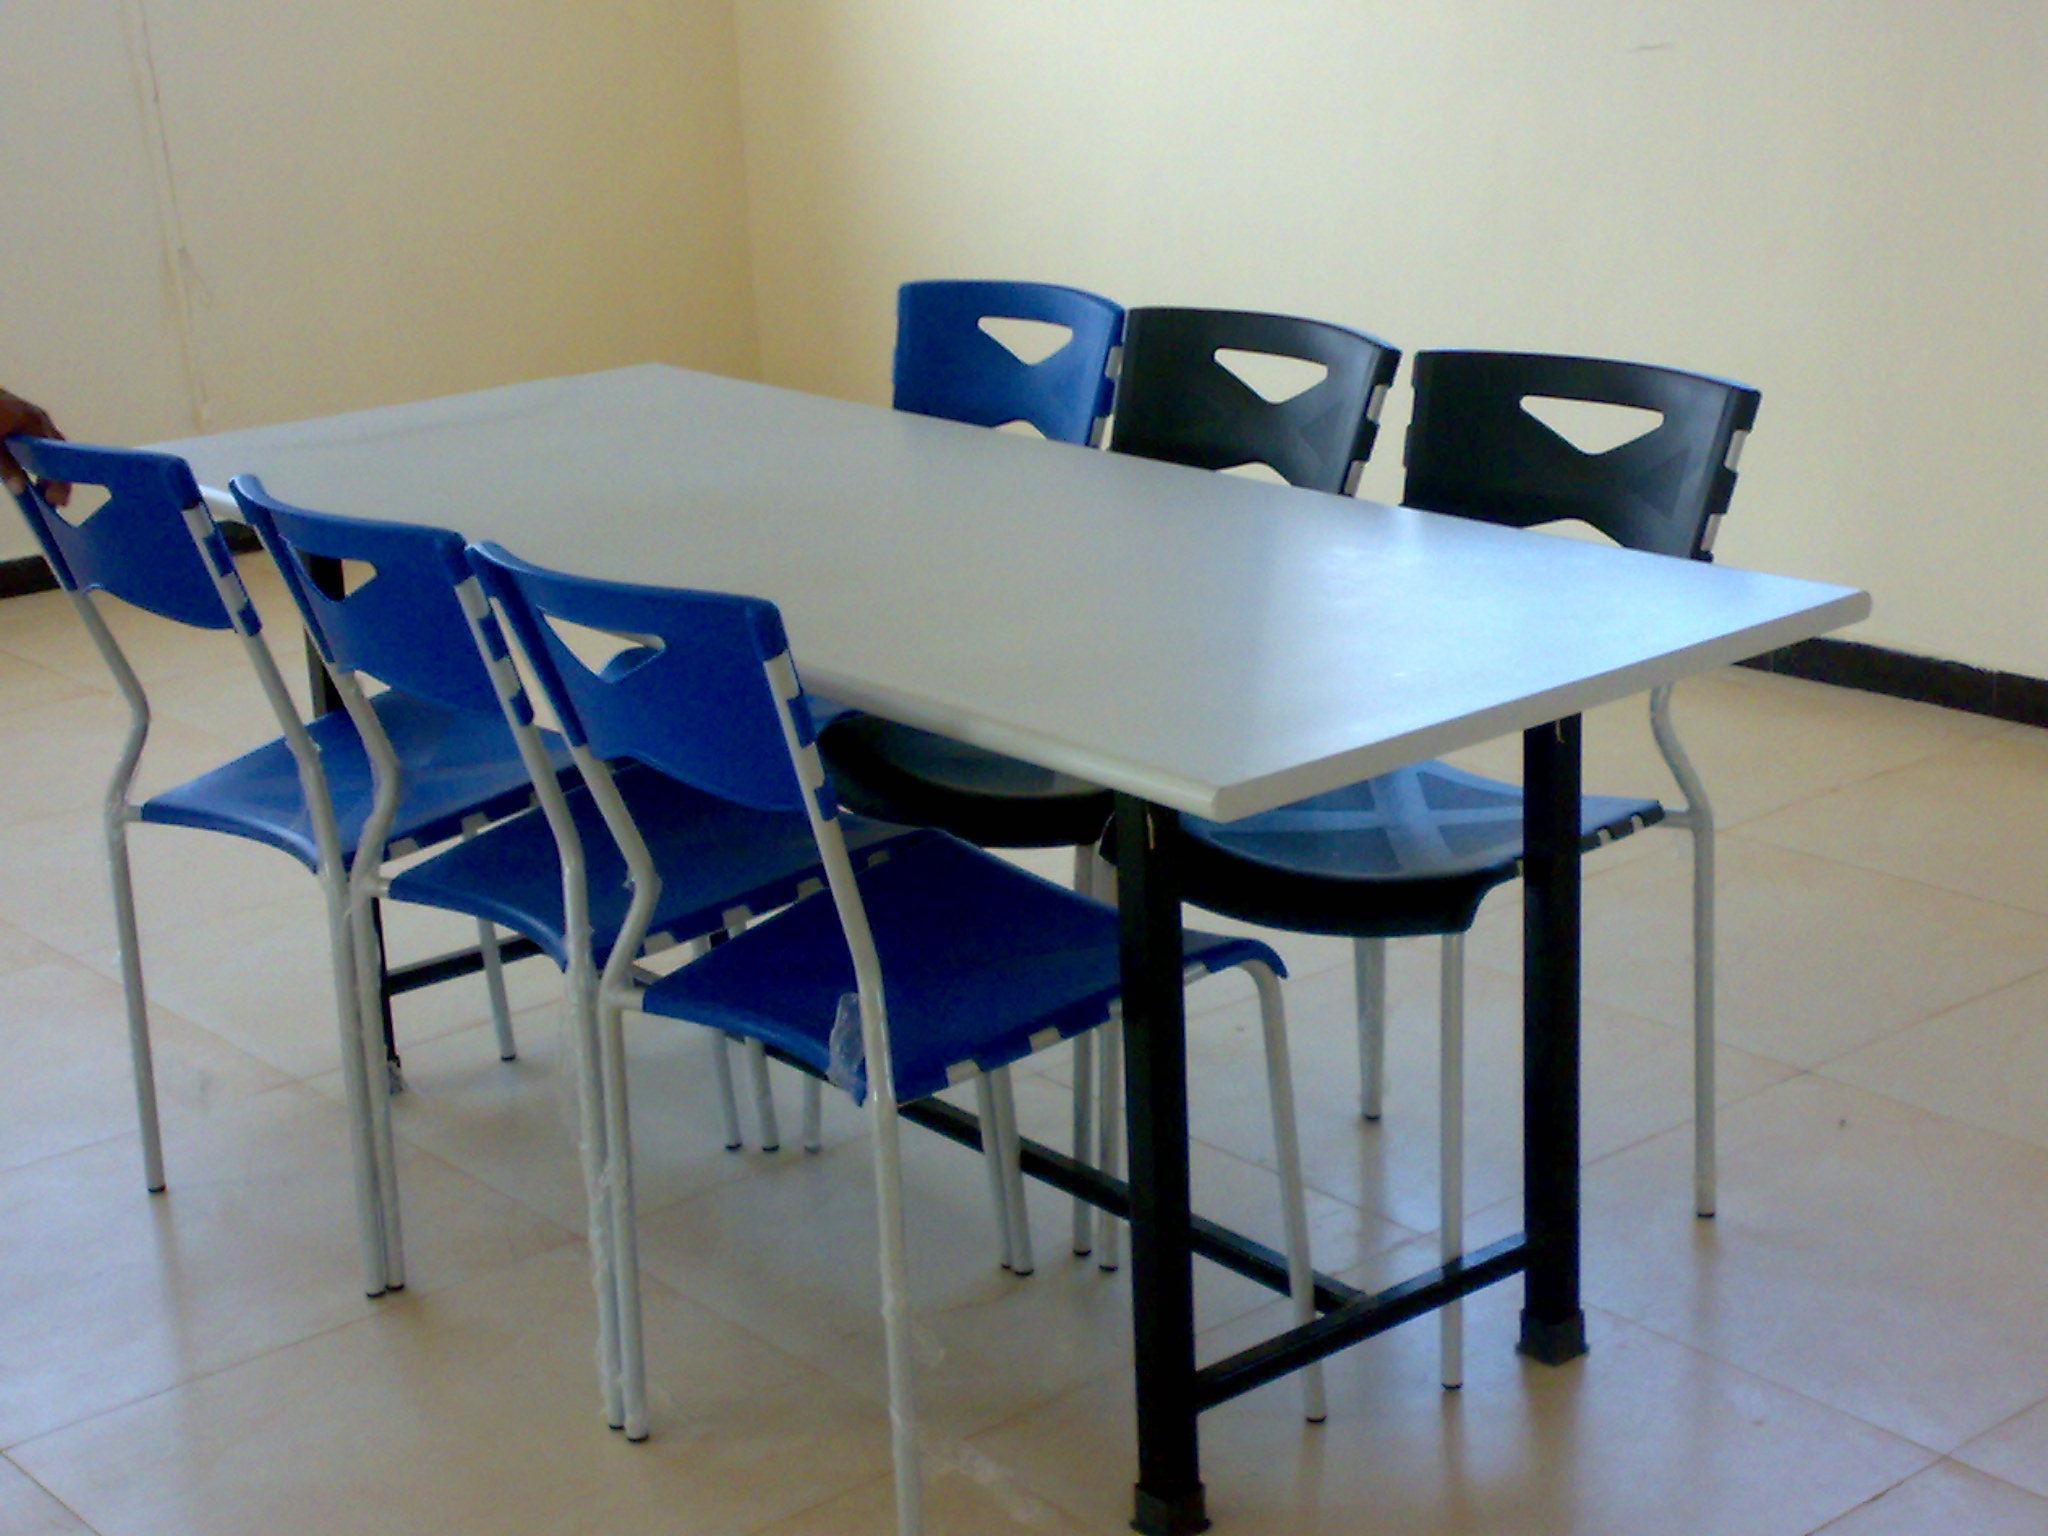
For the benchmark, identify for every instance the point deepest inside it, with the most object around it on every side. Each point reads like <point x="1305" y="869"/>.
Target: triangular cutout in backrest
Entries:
<point x="1029" y="341"/>
<point x="1254" y="470"/>
<point x="354" y="576"/>
<point x="85" y="500"/>
<point x="1592" y="426"/>
<point x="1022" y="429"/>
<point x="603" y="652"/>
<point x="1270" y="376"/>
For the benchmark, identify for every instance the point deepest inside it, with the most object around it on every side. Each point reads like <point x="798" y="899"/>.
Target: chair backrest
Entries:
<point x="152" y="542"/>
<point x="948" y="364"/>
<point x="403" y="624"/>
<point x="691" y="694"/>
<point x="1178" y="400"/>
<point x="1475" y="448"/>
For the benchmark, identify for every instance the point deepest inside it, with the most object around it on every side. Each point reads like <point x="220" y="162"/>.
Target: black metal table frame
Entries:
<point x="1172" y="1391"/>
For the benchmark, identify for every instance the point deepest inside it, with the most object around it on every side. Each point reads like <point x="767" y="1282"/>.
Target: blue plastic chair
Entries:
<point x="309" y="793"/>
<point x="413" y="627"/>
<point x="1416" y="851"/>
<point x="948" y="363"/>
<point x="922" y="970"/>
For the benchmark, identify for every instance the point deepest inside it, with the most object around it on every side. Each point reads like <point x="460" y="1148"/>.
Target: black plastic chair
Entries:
<point x="1180" y="399"/>
<point x="1416" y="851"/>
<point x="1177" y="400"/>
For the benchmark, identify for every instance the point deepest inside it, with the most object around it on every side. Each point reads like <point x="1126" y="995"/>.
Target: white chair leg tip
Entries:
<point x="1082" y="1253"/>
<point x="508" y="1056"/>
<point x="1318" y="1418"/>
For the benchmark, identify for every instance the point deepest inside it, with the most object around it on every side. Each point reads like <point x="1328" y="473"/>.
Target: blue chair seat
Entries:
<point x="457" y="765"/>
<point x="1410" y="852"/>
<point x="1024" y="963"/>
<point x="717" y="859"/>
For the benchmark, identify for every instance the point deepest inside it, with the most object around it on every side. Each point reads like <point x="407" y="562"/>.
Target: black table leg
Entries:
<point x="1553" y="1324"/>
<point x="1169" y="1495"/>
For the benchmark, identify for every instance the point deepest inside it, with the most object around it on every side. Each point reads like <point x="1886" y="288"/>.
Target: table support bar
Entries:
<point x="1362" y="1318"/>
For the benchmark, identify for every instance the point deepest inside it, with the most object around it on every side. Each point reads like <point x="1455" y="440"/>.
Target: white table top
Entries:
<point x="1211" y="643"/>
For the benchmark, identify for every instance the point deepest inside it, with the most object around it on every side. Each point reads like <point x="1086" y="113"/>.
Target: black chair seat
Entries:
<point x="1409" y="853"/>
<point x="898" y="773"/>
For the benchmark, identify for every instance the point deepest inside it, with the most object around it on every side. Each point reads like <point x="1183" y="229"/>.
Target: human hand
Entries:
<point x="19" y="415"/>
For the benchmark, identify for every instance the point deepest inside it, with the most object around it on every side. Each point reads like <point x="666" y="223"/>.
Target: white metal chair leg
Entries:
<point x="764" y="1097"/>
<point x="992" y="1159"/>
<point x="369" y="963"/>
<point x="1697" y="817"/>
<point x="1293" y="1198"/>
<point x="625" y="1227"/>
<point x="896" y="1332"/>
<point x="141" y="1057"/>
<point x="1084" y="1136"/>
<point x="1110" y="1054"/>
<point x="580" y="999"/>
<point x="728" y="1101"/>
<point x="814" y="1115"/>
<point x="1451" y="1173"/>
<point x="494" y="980"/>
<point x="1369" y="977"/>
<point x="1085" y="862"/>
<point x="1703" y="1026"/>
<point x="357" y="1086"/>
<point x="1018" y="1213"/>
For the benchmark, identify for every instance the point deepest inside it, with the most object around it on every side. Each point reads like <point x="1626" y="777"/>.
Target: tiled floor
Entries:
<point x="1859" y="1344"/>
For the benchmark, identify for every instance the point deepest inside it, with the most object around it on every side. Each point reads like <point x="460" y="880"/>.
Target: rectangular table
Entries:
<point x="1199" y="643"/>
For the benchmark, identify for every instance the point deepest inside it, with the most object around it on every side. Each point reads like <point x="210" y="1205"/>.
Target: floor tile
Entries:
<point x="472" y="1409"/>
<point x="1883" y="1260"/>
<point x="1946" y="1497"/>
<point x="791" y="1254"/>
<point x="58" y="757"/>
<point x="514" y="1125"/>
<point x="1985" y="1063"/>
<point x="24" y="685"/>
<point x="66" y="1079"/>
<point x="964" y="1493"/>
<point x="262" y="978"/>
<point x="1973" y="820"/>
<point x="114" y="1295"/>
<point x="1814" y="958"/>
<point x="1642" y="1435"/>
<point x="1760" y="742"/>
<point x="26" y="1510"/>
<point x="55" y="883"/>
<point x="2015" y="1451"/>
<point x="1637" y="1082"/>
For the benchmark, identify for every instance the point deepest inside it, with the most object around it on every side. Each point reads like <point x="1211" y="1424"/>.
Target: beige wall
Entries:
<point x="1839" y="201"/>
<point x="377" y="200"/>
<point x="1836" y="200"/>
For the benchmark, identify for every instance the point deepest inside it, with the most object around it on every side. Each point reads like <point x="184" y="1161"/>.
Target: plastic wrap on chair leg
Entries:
<point x="581" y="1053"/>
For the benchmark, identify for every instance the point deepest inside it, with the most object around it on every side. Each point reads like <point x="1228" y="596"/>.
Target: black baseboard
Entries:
<point x="31" y="573"/>
<point x="1952" y="684"/>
